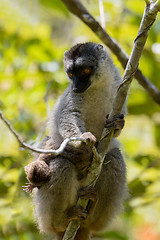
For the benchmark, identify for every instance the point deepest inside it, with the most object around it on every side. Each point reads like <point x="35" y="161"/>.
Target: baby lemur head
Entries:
<point x="86" y="64"/>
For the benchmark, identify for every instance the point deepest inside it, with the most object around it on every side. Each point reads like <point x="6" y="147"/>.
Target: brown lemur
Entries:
<point x="80" y="112"/>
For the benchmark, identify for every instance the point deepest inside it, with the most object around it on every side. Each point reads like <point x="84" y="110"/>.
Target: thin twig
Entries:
<point x="39" y="150"/>
<point x="78" y="9"/>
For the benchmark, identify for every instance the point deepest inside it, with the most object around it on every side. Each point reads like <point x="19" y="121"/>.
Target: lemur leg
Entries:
<point x="116" y="123"/>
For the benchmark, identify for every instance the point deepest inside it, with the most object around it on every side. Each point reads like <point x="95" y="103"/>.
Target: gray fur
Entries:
<point x="74" y="114"/>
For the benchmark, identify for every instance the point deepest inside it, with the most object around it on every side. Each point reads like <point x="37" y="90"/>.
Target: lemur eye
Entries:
<point x="70" y="75"/>
<point x="86" y="71"/>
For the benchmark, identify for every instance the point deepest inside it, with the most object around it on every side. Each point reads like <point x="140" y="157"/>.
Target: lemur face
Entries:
<point x="81" y="63"/>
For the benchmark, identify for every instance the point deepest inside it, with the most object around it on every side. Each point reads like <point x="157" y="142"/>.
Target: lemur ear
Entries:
<point x="65" y="53"/>
<point x="99" y="47"/>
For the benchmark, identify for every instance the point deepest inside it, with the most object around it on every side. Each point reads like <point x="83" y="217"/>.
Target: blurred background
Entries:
<point x="33" y="38"/>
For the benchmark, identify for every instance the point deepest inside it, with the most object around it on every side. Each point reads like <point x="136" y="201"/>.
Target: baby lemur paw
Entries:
<point x="89" y="137"/>
<point x="28" y="187"/>
<point x="88" y="192"/>
<point x="76" y="212"/>
<point x="38" y="172"/>
<point x="116" y="124"/>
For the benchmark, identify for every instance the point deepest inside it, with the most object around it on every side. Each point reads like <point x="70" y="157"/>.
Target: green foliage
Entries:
<point x="34" y="37"/>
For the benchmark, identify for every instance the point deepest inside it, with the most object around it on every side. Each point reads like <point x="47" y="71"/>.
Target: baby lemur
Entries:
<point x="80" y="112"/>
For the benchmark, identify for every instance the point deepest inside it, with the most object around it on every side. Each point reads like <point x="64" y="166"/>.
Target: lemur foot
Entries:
<point x="116" y="124"/>
<point x="77" y="212"/>
<point x="88" y="193"/>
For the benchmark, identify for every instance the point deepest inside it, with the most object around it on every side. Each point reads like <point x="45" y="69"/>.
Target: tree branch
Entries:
<point x="77" y="8"/>
<point x="131" y="68"/>
<point x="39" y="150"/>
<point x="92" y="177"/>
<point x="155" y="6"/>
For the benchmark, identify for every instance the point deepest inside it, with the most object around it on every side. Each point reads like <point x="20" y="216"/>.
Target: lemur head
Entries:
<point x="86" y="64"/>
